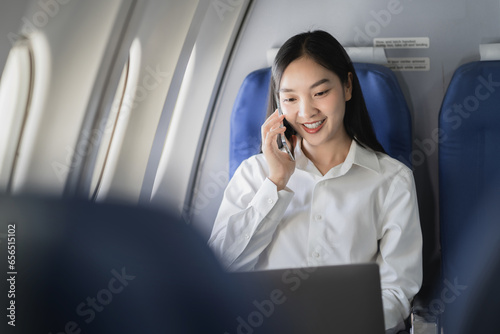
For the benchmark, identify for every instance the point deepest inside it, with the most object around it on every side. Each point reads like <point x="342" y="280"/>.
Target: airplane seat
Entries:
<point x="384" y="100"/>
<point x="475" y="294"/>
<point x="248" y="115"/>
<point x="469" y="165"/>
<point x="76" y="266"/>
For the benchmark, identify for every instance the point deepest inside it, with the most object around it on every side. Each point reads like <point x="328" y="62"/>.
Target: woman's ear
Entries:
<point x="348" y="87"/>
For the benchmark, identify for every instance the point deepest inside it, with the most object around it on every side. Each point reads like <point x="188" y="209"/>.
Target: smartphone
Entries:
<point x="282" y="144"/>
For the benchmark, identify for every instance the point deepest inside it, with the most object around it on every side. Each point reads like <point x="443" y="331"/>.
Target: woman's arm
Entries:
<point x="250" y="212"/>
<point x="400" y="248"/>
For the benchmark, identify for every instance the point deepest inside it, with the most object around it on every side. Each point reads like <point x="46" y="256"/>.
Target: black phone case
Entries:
<point x="289" y="132"/>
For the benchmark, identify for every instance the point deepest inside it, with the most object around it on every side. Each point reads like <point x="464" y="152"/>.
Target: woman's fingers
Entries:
<point x="281" y="167"/>
<point x="272" y="122"/>
<point x="270" y="138"/>
<point x="271" y="128"/>
<point x="274" y="117"/>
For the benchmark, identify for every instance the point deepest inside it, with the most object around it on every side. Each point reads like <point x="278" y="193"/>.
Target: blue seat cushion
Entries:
<point x="469" y="159"/>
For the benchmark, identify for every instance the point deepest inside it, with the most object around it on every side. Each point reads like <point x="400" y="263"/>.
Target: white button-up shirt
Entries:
<point x="363" y="210"/>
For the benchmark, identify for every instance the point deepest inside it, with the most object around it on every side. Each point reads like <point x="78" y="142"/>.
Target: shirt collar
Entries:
<point x="363" y="157"/>
<point x="358" y="155"/>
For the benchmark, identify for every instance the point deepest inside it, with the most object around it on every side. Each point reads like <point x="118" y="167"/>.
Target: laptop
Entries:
<point x="331" y="299"/>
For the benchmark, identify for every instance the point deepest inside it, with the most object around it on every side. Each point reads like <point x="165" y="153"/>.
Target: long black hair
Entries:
<point x="325" y="50"/>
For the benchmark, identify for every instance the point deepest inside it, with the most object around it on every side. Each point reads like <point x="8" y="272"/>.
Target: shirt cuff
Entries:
<point x="271" y="203"/>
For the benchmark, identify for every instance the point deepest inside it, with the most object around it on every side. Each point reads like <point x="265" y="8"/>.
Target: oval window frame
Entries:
<point x="16" y="88"/>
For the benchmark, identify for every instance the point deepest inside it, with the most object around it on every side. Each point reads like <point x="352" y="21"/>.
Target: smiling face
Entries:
<point x="313" y="100"/>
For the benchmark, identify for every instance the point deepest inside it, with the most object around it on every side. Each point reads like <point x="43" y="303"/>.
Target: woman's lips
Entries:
<point x="313" y="127"/>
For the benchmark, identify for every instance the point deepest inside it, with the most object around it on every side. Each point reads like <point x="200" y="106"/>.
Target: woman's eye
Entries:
<point x="289" y="100"/>
<point x="322" y="93"/>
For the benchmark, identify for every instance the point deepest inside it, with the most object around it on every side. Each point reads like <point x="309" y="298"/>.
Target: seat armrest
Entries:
<point x="422" y="322"/>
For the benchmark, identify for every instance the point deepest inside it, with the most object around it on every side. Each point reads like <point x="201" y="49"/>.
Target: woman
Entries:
<point x="342" y="200"/>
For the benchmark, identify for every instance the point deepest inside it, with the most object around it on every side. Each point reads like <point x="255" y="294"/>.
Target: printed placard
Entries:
<point x="409" y="64"/>
<point x="402" y="43"/>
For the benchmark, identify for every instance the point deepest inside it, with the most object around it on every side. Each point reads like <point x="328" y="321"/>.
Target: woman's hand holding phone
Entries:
<point x="281" y="166"/>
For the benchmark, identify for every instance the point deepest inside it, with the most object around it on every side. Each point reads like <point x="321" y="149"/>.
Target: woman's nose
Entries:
<point x="307" y="109"/>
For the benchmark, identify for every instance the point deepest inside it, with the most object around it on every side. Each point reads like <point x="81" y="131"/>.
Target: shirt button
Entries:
<point x="318" y="217"/>
<point x="247" y="236"/>
<point x="315" y="254"/>
<point x="270" y="201"/>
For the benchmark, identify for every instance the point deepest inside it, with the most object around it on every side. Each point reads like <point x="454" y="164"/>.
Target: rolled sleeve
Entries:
<point x="242" y="231"/>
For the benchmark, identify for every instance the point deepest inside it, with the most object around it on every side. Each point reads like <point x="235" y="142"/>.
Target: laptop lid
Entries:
<point x="331" y="299"/>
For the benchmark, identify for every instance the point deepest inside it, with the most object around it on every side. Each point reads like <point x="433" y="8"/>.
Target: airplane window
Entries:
<point x="156" y="70"/>
<point x="108" y="131"/>
<point x="198" y="87"/>
<point x="113" y="132"/>
<point x="180" y="106"/>
<point x="15" y="91"/>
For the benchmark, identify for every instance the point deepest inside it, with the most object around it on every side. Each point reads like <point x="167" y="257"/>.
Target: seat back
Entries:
<point x="384" y="99"/>
<point x="472" y="297"/>
<point x="95" y="267"/>
<point x="469" y="159"/>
